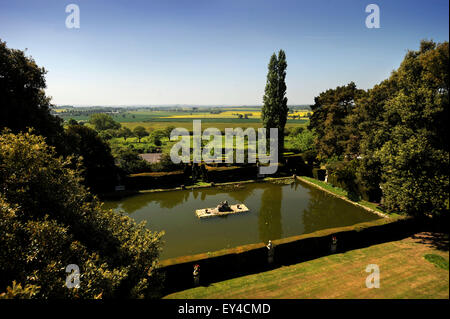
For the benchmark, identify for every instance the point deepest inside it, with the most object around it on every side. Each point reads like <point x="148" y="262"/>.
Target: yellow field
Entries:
<point x="59" y="110"/>
<point x="233" y="114"/>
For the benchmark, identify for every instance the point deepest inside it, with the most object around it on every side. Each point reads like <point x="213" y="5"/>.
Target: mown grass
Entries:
<point x="437" y="260"/>
<point x="404" y="273"/>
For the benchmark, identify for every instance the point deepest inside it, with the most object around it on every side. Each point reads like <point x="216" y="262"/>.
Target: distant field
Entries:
<point x="217" y="117"/>
<point x="157" y="119"/>
<point x="233" y="114"/>
<point x="406" y="271"/>
<point x="221" y="125"/>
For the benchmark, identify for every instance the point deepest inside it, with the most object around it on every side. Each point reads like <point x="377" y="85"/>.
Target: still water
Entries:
<point x="276" y="211"/>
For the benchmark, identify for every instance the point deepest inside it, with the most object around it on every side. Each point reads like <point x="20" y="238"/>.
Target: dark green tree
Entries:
<point x="140" y="132"/>
<point x="414" y="153"/>
<point x="99" y="170"/>
<point x="72" y="122"/>
<point x="125" y="132"/>
<point x="330" y="120"/>
<point x="23" y="102"/>
<point x="129" y="161"/>
<point x="102" y="121"/>
<point x="156" y="136"/>
<point x="275" y="110"/>
<point x="168" y="130"/>
<point x="401" y="134"/>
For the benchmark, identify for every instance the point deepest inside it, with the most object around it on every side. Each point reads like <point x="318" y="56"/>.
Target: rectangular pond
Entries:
<point x="277" y="210"/>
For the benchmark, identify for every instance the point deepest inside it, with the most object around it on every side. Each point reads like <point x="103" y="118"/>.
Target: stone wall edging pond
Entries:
<point x="249" y="259"/>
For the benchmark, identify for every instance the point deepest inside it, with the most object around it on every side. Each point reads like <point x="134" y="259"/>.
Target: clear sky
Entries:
<point x="213" y="52"/>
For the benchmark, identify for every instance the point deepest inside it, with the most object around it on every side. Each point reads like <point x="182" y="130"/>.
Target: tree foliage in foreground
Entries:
<point x="23" y="102"/>
<point x="48" y="220"/>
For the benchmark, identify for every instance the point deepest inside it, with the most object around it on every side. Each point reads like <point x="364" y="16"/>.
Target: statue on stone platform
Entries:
<point x="224" y="207"/>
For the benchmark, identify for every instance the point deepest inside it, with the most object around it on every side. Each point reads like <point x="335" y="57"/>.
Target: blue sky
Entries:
<point x="213" y="52"/>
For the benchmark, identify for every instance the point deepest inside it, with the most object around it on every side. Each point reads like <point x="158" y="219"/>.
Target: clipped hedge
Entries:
<point x="221" y="174"/>
<point x="319" y="173"/>
<point x="296" y="164"/>
<point x="156" y="180"/>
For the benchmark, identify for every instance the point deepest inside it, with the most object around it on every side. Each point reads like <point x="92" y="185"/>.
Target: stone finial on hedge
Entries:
<point x="270" y="253"/>
<point x="333" y="244"/>
<point x="196" y="275"/>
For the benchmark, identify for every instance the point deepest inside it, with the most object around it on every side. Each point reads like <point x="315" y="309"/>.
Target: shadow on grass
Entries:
<point x="438" y="241"/>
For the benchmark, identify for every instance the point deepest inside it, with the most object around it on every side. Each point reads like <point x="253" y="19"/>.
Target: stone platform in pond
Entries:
<point x="211" y="212"/>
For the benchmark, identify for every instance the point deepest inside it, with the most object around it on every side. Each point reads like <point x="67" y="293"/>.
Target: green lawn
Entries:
<point x="405" y="272"/>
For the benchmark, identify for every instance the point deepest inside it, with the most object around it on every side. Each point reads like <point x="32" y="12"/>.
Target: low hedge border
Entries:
<point x="212" y="184"/>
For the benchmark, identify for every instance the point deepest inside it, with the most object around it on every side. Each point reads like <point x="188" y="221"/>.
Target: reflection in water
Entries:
<point x="318" y="208"/>
<point x="276" y="211"/>
<point x="241" y="193"/>
<point x="135" y="203"/>
<point x="324" y="211"/>
<point x="130" y="206"/>
<point x="269" y="217"/>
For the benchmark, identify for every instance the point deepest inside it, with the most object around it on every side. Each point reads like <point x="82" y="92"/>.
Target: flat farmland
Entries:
<point x="220" y="124"/>
<point x="220" y="117"/>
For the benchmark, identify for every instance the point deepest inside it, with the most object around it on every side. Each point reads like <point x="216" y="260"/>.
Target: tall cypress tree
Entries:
<point x="275" y="110"/>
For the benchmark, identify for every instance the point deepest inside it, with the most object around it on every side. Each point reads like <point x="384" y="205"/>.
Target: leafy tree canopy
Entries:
<point x="23" y="102"/>
<point x="102" y="121"/>
<point x="331" y="109"/>
<point x="48" y="220"/>
<point x="140" y="132"/>
<point x="397" y="130"/>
